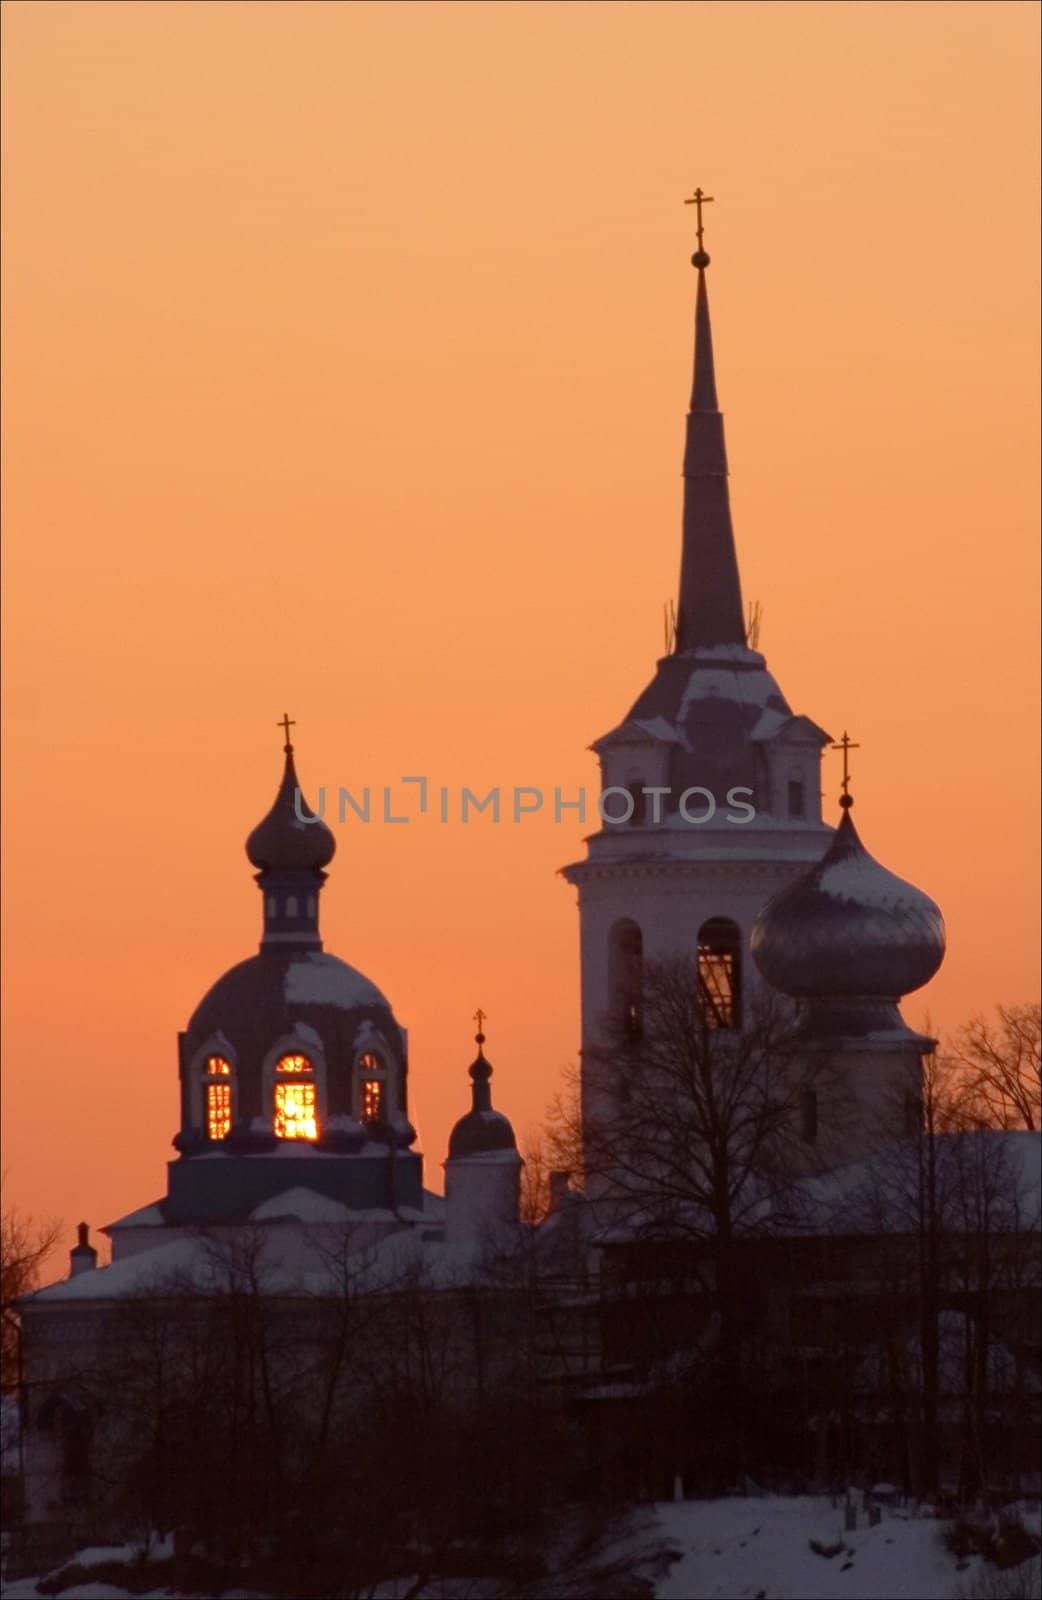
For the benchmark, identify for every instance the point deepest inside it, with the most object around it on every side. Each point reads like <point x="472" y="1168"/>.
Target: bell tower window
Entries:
<point x="217" y="1083"/>
<point x="720" y="973"/>
<point x="295" y="1101"/>
<point x="797" y="802"/>
<point x="371" y="1078"/>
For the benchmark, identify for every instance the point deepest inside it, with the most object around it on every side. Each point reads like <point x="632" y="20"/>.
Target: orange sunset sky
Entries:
<point x="347" y="349"/>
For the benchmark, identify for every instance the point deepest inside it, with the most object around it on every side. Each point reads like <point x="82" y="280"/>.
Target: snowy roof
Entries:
<point x="316" y="978"/>
<point x="302" y="1204"/>
<point x="150" y="1216"/>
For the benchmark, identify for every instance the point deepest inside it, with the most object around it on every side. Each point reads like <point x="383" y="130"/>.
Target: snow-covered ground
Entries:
<point x="756" y="1548"/>
<point x="743" y="1548"/>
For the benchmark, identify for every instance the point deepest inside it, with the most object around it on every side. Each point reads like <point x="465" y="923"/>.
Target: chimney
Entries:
<point x="559" y="1190"/>
<point x="83" y="1257"/>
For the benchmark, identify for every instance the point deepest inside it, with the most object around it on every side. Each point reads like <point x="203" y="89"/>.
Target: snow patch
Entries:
<point x="301" y="1204"/>
<point x="322" y="980"/>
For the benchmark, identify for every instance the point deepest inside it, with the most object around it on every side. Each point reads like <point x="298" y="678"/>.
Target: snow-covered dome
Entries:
<point x="848" y="927"/>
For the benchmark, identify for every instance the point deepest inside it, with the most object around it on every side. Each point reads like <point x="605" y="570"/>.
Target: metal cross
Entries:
<point x="846" y="744"/>
<point x="699" y="199"/>
<point x="286" y="724"/>
<point x="479" y="1018"/>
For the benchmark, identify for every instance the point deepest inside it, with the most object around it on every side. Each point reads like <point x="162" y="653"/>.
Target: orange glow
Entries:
<point x="216" y="1066"/>
<point x="295" y="1111"/>
<point x="372" y="1099"/>
<point x="218" y="1110"/>
<point x="346" y="352"/>
<point x="293" y="1064"/>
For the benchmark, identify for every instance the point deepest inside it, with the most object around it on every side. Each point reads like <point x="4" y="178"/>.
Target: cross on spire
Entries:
<point x="480" y="1018"/>
<point x="698" y="200"/>
<point x="846" y="744"/>
<point x="286" y="724"/>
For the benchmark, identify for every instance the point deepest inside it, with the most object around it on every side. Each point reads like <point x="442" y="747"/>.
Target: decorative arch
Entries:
<point x="213" y="1087"/>
<point x="626" y="976"/>
<point x="720" y="973"/>
<point x="293" y="1081"/>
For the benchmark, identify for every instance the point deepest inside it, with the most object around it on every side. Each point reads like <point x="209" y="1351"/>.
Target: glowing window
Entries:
<point x="218" y="1097"/>
<point x="371" y="1093"/>
<point x="720" y="973"/>
<point x="295" y="1104"/>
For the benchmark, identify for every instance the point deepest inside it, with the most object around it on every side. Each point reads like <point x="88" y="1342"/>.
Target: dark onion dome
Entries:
<point x="482" y="1130"/>
<point x="284" y="842"/>
<point x="848" y="927"/>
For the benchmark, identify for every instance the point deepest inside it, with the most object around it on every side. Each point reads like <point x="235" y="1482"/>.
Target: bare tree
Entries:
<point x="1001" y="1066"/>
<point x="25" y="1244"/>
<point x="691" y="1149"/>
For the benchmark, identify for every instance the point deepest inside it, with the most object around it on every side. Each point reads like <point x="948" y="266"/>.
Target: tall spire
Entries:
<point x="710" y="609"/>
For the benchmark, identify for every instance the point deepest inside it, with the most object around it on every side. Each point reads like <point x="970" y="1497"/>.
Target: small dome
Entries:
<point x="482" y="1130"/>
<point x="283" y="841"/>
<point x="848" y="927"/>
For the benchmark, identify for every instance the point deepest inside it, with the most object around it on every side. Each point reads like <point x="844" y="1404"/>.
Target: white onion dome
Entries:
<point x="848" y="927"/>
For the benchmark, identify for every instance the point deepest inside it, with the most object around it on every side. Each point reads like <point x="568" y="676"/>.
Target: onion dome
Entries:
<point x="482" y="1130"/>
<point x="848" y="927"/>
<point x="291" y="838"/>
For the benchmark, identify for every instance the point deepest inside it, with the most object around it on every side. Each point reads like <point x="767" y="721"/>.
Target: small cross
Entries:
<point x="699" y="199"/>
<point x="846" y="744"/>
<point x="286" y="724"/>
<point x="480" y="1017"/>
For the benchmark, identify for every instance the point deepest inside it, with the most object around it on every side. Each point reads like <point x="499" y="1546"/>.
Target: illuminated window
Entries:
<point x="217" y="1083"/>
<point x="720" y="973"/>
<point x="371" y="1076"/>
<point x="295" y="1102"/>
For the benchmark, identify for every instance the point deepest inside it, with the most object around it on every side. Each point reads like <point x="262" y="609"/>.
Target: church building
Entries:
<point x="294" y="1068"/>
<point x="721" y="817"/>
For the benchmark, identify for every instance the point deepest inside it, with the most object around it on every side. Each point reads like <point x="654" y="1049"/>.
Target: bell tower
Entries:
<point x="710" y="783"/>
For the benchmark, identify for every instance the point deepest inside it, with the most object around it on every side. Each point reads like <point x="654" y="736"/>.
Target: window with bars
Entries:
<point x="218" y="1087"/>
<point x="371" y="1076"/>
<point x="720" y="973"/>
<point x="296" y="1109"/>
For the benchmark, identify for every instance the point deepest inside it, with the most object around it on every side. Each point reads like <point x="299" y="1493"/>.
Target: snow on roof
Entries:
<point x="316" y="978"/>
<point x="302" y="1204"/>
<point x="862" y="879"/>
<point x="877" y="1194"/>
<point x="144" y="1217"/>
<point x="755" y="689"/>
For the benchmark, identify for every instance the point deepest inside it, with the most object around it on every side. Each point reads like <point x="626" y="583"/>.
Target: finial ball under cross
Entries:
<point x="286" y="724"/>
<point x="480" y="1018"/>
<point x="698" y="200"/>
<point x="846" y="744"/>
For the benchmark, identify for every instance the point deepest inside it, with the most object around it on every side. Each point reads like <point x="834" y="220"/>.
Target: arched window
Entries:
<point x="626" y="977"/>
<point x="217" y="1092"/>
<point x="797" y="798"/>
<point x="638" y="816"/>
<point x="720" y="973"/>
<point x="296" y="1111"/>
<point x="371" y="1091"/>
